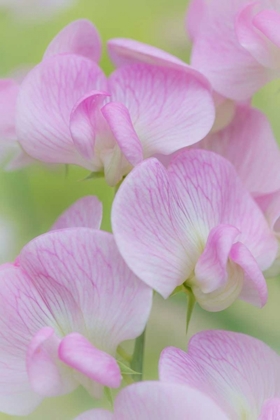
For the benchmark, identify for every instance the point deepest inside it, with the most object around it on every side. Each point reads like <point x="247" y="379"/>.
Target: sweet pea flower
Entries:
<point x="66" y="304"/>
<point x="35" y="9"/>
<point x="249" y="144"/>
<point x="68" y="112"/>
<point x="158" y="401"/>
<point x="240" y="133"/>
<point x="194" y="223"/>
<point x="239" y="373"/>
<point x="79" y="37"/>
<point x="124" y="51"/>
<point x="236" y="44"/>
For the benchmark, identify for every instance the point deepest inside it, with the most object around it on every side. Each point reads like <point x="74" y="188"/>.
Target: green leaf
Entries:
<point x="126" y="370"/>
<point x="190" y="308"/>
<point x="138" y="357"/>
<point x="93" y="175"/>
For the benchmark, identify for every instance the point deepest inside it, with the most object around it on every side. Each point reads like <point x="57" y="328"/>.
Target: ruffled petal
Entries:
<point x="87" y="286"/>
<point x="124" y="51"/>
<point x="79" y="37"/>
<point x="157" y="401"/>
<point x="162" y="218"/>
<point x="77" y="352"/>
<point x="217" y="53"/>
<point x="237" y="371"/>
<point x="86" y="212"/>
<point x="249" y="144"/>
<point x="119" y="121"/>
<point x="47" y="375"/>
<point x="169" y="108"/>
<point x="46" y="99"/>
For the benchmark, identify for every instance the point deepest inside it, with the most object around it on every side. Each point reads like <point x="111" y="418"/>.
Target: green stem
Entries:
<point x="137" y="361"/>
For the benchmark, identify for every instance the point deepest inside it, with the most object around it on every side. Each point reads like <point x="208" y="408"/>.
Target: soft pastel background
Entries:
<point x="32" y="198"/>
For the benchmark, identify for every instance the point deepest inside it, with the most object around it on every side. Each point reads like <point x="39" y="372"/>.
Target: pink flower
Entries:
<point x="239" y="373"/>
<point x="236" y="44"/>
<point x="66" y="304"/>
<point x="159" y="401"/>
<point x="68" y="112"/>
<point x="241" y="134"/>
<point x="194" y="223"/>
<point x="124" y="51"/>
<point x="79" y="37"/>
<point x="249" y="144"/>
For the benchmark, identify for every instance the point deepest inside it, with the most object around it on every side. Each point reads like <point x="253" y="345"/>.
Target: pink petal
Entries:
<point x="249" y="144"/>
<point x="254" y="288"/>
<point x="268" y="22"/>
<point x="8" y="96"/>
<point x="217" y="53"/>
<point x="86" y="212"/>
<point x="146" y="229"/>
<point x="76" y="351"/>
<point x="158" y="401"/>
<point x="162" y="218"/>
<point x="48" y="376"/>
<point x="194" y="18"/>
<point x="87" y="286"/>
<point x="79" y="37"/>
<point x="18" y="302"/>
<point x="249" y="32"/>
<point x="237" y="371"/>
<point x="211" y="267"/>
<point x="118" y="118"/>
<point x="86" y="123"/>
<point x="125" y="51"/>
<point x="271" y="410"/>
<point x="270" y="205"/>
<point x="169" y="109"/>
<point x="97" y="414"/>
<point x="47" y="96"/>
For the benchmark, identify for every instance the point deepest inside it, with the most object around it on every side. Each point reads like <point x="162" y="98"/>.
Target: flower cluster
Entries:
<point x="197" y="209"/>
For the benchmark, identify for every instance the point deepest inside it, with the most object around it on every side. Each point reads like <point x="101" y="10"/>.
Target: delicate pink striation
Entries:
<point x="250" y="145"/>
<point x="194" y="222"/>
<point x="67" y="112"/>
<point x="158" y="401"/>
<point x="239" y="373"/>
<point x="236" y="44"/>
<point x="86" y="212"/>
<point x="79" y="37"/>
<point x="66" y="304"/>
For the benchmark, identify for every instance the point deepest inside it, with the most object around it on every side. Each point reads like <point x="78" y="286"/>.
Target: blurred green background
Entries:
<point x="31" y="199"/>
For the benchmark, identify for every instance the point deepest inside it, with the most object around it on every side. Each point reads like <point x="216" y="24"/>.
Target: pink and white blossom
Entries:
<point x="236" y="44"/>
<point x="194" y="223"/>
<point x="67" y="303"/>
<point x="158" y="401"/>
<point x="249" y="144"/>
<point x="124" y="51"/>
<point x="69" y="112"/>
<point x="239" y="373"/>
<point x="79" y="37"/>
